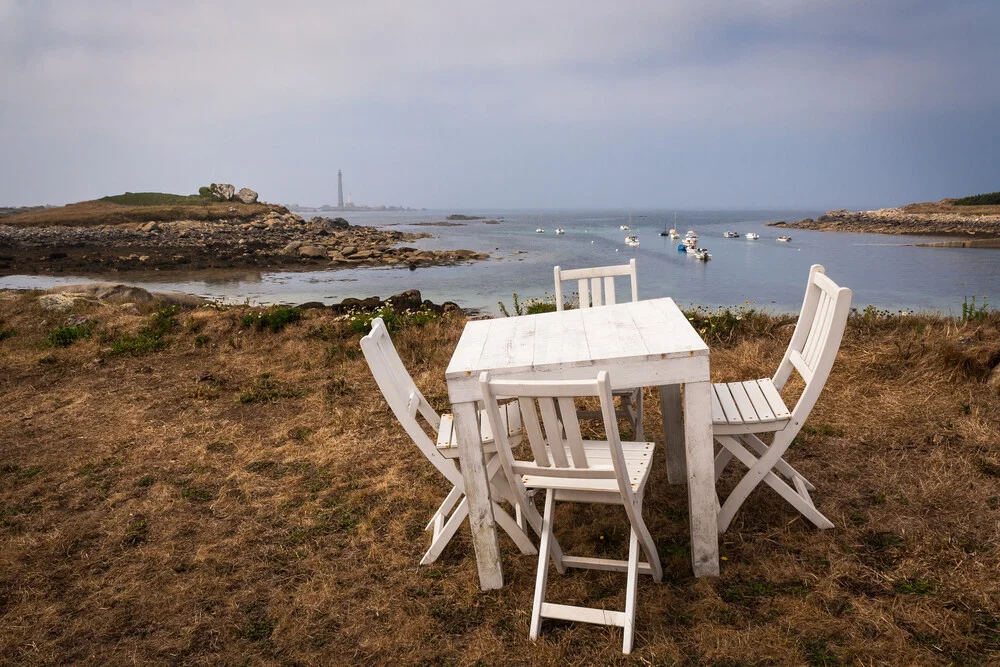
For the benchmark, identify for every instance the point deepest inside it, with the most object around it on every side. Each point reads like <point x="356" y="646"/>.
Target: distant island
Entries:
<point x="975" y="217"/>
<point x="220" y="227"/>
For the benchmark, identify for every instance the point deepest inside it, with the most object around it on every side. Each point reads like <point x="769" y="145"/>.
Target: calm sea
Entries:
<point x="883" y="270"/>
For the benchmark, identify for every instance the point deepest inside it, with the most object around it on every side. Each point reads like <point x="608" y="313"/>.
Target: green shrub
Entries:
<point x="151" y="337"/>
<point x="987" y="199"/>
<point x="275" y="318"/>
<point x="153" y="199"/>
<point x="722" y="324"/>
<point x="533" y="305"/>
<point x="973" y="313"/>
<point x="359" y="320"/>
<point x="66" y="336"/>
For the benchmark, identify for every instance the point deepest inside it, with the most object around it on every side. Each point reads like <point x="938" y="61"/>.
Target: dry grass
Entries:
<point x="948" y="206"/>
<point x="96" y="212"/>
<point x="149" y="515"/>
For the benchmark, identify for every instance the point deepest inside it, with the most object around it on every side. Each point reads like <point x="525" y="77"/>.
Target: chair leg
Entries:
<point x="760" y="471"/>
<point x="722" y="460"/>
<point x="640" y="435"/>
<point x="541" y="579"/>
<point x="781" y="466"/>
<point x="441" y="539"/>
<point x="514" y="530"/>
<point x="630" y="590"/>
<point x="446" y="506"/>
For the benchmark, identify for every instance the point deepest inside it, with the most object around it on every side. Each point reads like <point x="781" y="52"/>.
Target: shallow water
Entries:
<point x="882" y="270"/>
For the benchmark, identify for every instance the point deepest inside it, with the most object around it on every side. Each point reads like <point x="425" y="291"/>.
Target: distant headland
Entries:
<point x="975" y="218"/>
<point x="218" y="228"/>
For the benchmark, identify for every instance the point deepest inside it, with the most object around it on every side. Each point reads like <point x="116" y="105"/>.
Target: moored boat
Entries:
<point x="560" y="230"/>
<point x="731" y="235"/>
<point x="539" y="230"/>
<point x="751" y="236"/>
<point x="632" y="240"/>
<point x="784" y="239"/>
<point x="703" y="254"/>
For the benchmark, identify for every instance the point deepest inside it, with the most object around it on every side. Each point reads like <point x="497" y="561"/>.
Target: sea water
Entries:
<point x="886" y="271"/>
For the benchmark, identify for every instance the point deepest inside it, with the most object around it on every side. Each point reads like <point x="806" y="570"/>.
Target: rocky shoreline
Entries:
<point x="67" y="297"/>
<point x="902" y="221"/>
<point x="275" y="239"/>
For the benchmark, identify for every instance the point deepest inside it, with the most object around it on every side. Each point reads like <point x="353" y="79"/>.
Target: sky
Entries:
<point x="515" y="104"/>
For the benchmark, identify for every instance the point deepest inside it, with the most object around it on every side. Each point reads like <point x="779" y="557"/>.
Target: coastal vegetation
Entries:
<point x="987" y="199"/>
<point x="239" y="493"/>
<point x="140" y="207"/>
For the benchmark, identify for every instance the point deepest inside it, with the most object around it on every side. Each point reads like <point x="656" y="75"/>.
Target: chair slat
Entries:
<point x="584" y="290"/>
<point x="728" y="404"/>
<point x="595" y="289"/>
<point x="774" y="399"/>
<point x="609" y="291"/>
<point x="760" y="404"/>
<point x="801" y="366"/>
<point x="812" y="340"/>
<point x="821" y="335"/>
<point x="571" y="426"/>
<point x="529" y="418"/>
<point x="445" y="432"/>
<point x="718" y="414"/>
<point x="743" y="403"/>
<point x="553" y="431"/>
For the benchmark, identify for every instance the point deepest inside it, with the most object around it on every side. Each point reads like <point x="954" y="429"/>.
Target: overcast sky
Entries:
<point x="459" y="104"/>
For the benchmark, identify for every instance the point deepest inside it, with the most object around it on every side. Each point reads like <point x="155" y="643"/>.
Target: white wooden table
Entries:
<point x="641" y="344"/>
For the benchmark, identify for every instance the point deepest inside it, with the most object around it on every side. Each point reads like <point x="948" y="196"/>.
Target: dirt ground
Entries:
<point x="196" y="487"/>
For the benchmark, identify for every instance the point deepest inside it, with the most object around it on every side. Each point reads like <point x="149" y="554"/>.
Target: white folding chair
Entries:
<point x="596" y="287"/>
<point x="742" y="410"/>
<point x="408" y="404"/>
<point x="571" y="469"/>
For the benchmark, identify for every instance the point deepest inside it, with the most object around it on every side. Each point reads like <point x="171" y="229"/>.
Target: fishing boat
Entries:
<point x="784" y="239"/>
<point x="560" y="230"/>
<point x="673" y="230"/>
<point x="731" y="235"/>
<point x="539" y="230"/>
<point x="690" y="241"/>
<point x="702" y="255"/>
<point x="751" y="236"/>
<point x="632" y="240"/>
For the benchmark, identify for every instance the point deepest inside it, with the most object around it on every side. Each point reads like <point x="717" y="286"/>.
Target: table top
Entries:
<point x="604" y="336"/>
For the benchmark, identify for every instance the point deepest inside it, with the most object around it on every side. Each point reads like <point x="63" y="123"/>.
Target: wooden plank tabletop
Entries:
<point x="654" y="329"/>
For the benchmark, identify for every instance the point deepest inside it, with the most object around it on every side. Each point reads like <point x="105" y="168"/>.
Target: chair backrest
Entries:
<point x="590" y="282"/>
<point x="404" y="399"/>
<point x="556" y="443"/>
<point x="816" y="339"/>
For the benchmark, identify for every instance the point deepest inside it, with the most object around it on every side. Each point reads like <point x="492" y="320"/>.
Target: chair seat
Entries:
<point x="754" y="406"/>
<point x="638" y="456"/>
<point x="447" y="443"/>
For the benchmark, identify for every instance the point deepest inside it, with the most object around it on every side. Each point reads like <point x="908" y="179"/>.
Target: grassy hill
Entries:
<point x="134" y="207"/>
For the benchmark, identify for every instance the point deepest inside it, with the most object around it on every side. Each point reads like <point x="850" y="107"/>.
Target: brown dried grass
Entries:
<point x="148" y="516"/>
<point x="96" y="212"/>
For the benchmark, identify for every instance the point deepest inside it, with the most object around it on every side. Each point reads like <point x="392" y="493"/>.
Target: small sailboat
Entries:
<point x="673" y="230"/>
<point x="539" y="230"/>
<point x="784" y="239"/>
<point x="560" y="230"/>
<point x="751" y="236"/>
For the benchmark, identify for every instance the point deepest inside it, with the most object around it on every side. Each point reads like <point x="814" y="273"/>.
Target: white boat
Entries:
<point x="702" y="254"/>
<point x="674" y="234"/>
<point x="560" y="230"/>
<point x="539" y="230"/>
<point x="691" y="250"/>
<point x="751" y="236"/>
<point x="624" y="227"/>
<point x="632" y="240"/>
<point x="691" y="234"/>
<point x="731" y="235"/>
<point x="673" y="230"/>
<point x="784" y="239"/>
<point x="690" y="241"/>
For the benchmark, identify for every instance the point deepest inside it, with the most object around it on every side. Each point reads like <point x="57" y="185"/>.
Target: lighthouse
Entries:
<point x="340" y="189"/>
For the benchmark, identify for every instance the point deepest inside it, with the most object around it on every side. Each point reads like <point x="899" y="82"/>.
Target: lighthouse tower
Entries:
<point x="340" y="189"/>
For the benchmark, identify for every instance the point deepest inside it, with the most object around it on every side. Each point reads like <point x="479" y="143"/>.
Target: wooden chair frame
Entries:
<point x="409" y="405"/>
<point x="571" y="469"/>
<point x="596" y="287"/>
<point x="742" y="411"/>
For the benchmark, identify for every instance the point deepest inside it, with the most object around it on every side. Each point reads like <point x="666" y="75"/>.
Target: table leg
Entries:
<point x="701" y="478"/>
<point x="477" y="492"/>
<point x="673" y="433"/>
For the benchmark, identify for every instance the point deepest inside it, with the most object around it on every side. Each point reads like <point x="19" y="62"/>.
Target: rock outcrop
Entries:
<point x="901" y="221"/>
<point x="247" y="196"/>
<point x="222" y="191"/>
